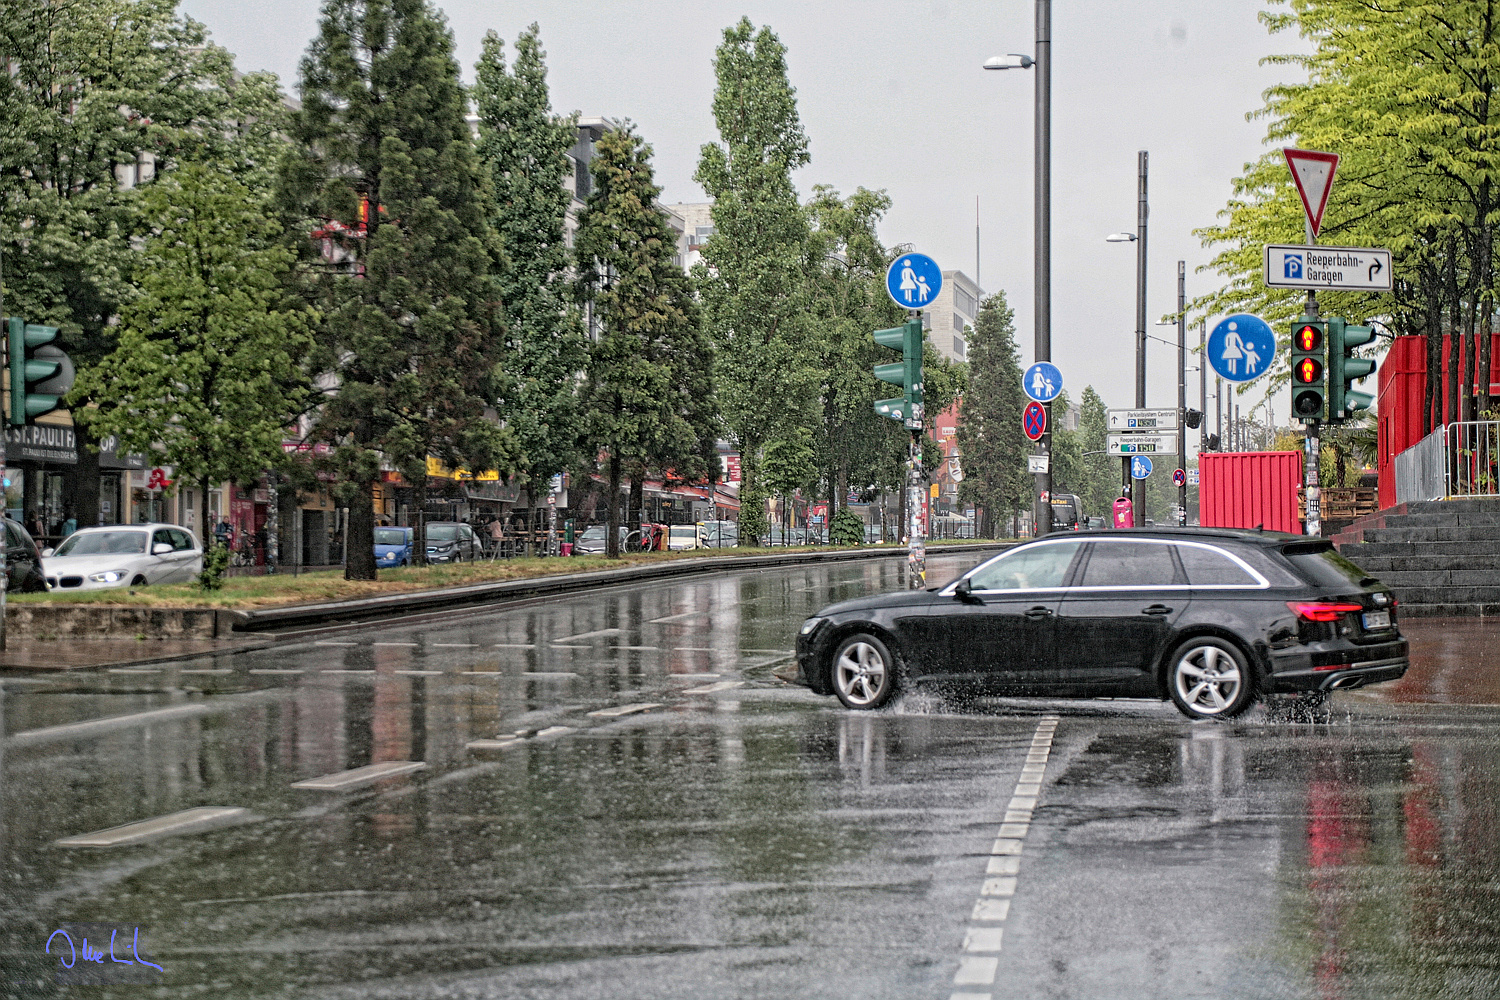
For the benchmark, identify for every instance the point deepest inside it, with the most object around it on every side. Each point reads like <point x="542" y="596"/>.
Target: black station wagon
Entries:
<point x="1210" y="618"/>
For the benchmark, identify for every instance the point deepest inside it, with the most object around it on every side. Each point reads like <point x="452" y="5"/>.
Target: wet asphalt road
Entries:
<point x="738" y="837"/>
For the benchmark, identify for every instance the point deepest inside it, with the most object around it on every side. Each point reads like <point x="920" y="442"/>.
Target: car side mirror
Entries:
<point x="964" y="591"/>
<point x="160" y="549"/>
<point x="47" y="552"/>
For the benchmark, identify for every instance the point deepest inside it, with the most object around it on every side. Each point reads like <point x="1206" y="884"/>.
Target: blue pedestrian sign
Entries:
<point x="1241" y="348"/>
<point x="913" y="280"/>
<point x="1042" y="382"/>
<point x="1140" y="467"/>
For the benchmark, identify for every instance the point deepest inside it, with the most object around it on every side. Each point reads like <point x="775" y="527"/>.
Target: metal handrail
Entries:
<point x="1471" y="449"/>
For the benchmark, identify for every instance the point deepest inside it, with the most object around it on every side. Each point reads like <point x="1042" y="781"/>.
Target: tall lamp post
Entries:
<point x="1042" y="263"/>
<point x="1143" y="210"/>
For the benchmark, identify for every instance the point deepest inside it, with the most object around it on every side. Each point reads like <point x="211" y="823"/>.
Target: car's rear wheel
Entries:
<point x="864" y="672"/>
<point x="1209" y="678"/>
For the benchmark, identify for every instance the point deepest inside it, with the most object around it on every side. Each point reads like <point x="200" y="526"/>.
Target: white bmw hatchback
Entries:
<point x="123" y="555"/>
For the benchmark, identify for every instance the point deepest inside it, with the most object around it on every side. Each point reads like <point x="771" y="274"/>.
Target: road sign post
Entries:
<point x="1043" y="382"/>
<point x="1312" y="173"/>
<point x="913" y="281"/>
<point x="1034" y="420"/>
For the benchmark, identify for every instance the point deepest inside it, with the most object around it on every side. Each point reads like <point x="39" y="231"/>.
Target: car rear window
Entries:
<point x="1325" y="568"/>
<point x="1130" y="564"/>
<point x="1211" y="568"/>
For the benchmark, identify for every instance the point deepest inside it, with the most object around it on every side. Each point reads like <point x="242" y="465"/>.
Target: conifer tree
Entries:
<point x="648" y="393"/>
<point x="524" y="146"/>
<point x="989" y="427"/>
<point x="412" y="327"/>
<point x="753" y="279"/>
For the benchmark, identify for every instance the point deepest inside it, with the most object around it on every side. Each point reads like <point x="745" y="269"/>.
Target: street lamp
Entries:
<point x="1042" y="62"/>
<point x="1137" y="487"/>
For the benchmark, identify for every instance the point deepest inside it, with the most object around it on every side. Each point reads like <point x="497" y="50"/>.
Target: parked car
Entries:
<point x="393" y="547"/>
<point x="1210" y="618"/>
<point x="23" y="563"/>
<point x="451" y="542"/>
<point x="720" y="534"/>
<point x="124" y="555"/>
<point x="592" y="541"/>
<point x="1097" y="521"/>
<point x="681" y="537"/>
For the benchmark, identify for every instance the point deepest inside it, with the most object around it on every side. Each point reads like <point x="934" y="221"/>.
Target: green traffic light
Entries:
<point x="907" y="373"/>
<point x="39" y="373"/>
<point x="1344" y="369"/>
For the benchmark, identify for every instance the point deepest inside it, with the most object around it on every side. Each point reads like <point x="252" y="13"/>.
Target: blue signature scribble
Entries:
<point x="96" y="955"/>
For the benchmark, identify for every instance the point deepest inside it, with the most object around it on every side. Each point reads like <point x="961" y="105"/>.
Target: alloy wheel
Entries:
<point x="1208" y="681"/>
<point x="862" y="673"/>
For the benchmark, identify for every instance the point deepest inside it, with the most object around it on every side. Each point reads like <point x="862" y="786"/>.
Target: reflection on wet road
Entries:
<point x="611" y="796"/>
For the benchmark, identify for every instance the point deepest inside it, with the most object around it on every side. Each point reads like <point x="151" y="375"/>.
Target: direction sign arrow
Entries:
<point x="1360" y="269"/>
<point x="1312" y="173"/>
<point x="1141" y="444"/>
<point x="1142" y="420"/>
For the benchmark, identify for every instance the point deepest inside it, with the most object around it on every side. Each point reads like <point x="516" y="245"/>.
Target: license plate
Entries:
<point x="1376" y="619"/>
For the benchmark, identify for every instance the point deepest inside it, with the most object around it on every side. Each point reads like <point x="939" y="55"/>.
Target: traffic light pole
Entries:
<point x="1182" y="390"/>
<point x="916" y="541"/>
<point x="1311" y="445"/>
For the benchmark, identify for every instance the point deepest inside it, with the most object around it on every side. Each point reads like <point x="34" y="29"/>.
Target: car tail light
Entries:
<point x="1319" y="612"/>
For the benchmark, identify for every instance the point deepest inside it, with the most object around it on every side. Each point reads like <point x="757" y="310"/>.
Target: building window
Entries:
<point x="965" y="302"/>
<point x="958" y="346"/>
<point x="700" y="236"/>
<point x="582" y="182"/>
<point x="958" y="323"/>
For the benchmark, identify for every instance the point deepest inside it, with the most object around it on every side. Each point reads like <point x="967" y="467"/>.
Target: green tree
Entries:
<point x="412" y="333"/>
<point x="99" y="97"/>
<point x="524" y="146"/>
<point x="206" y="372"/>
<point x="990" y="438"/>
<point x="847" y="302"/>
<point x="1101" y="473"/>
<point x="1404" y="93"/>
<point x="752" y="279"/>
<point x="647" y="395"/>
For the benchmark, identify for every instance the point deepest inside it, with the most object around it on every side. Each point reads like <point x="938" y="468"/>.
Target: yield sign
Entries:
<point x="1312" y="172"/>
<point x="1034" y="420"/>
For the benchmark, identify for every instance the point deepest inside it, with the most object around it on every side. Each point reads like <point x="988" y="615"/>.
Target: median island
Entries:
<point x="287" y="588"/>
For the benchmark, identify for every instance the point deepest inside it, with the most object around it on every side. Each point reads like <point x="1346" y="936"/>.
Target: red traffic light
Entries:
<point x="1308" y="338"/>
<point x="1308" y="371"/>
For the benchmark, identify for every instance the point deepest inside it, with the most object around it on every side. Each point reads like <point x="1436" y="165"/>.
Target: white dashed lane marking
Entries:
<point x="980" y="963"/>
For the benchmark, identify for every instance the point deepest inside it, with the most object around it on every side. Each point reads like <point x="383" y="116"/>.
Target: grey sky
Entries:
<point x="892" y="96"/>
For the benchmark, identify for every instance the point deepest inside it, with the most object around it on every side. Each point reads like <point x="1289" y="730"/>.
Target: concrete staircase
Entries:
<point x="1441" y="557"/>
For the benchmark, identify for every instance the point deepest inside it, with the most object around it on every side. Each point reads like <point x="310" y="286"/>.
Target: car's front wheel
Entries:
<point x="864" y="672"/>
<point x="1209" y="678"/>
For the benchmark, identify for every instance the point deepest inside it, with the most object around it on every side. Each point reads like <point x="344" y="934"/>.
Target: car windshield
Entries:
<point x="442" y="532"/>
<point x="593" y="534"/>
<point x="1326" y="568"/>
<point x="94" y="543"/>
<point x="684" y="531"/>
<point x="390" y="536"/>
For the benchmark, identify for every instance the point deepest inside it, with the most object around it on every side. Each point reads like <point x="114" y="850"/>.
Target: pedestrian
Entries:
<point x="69" y="524"/>
<point x="497" y="533"/>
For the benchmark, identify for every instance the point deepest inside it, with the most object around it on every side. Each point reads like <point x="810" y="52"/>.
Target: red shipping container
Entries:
<point x="1402" y="392"/>
<point x="1250" y="489"/>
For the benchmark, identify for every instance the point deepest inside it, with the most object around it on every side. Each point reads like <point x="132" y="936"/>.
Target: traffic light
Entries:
<point x="40" y="373"/>
<point x="1344" y="401"/>
<point x="1307" y="369"/>
<point x="907" y="373"/>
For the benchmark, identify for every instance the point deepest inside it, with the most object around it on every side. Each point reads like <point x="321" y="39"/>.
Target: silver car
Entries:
<point x="124" y="555"/>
